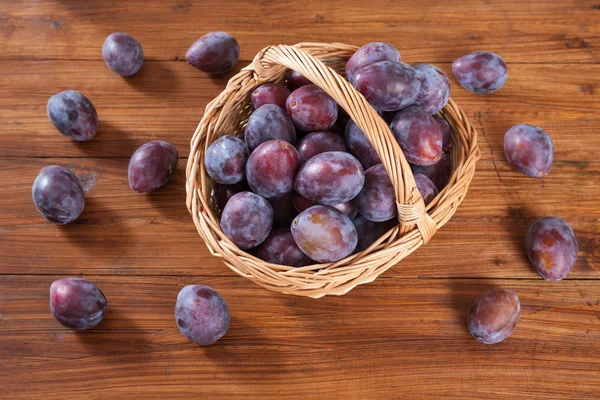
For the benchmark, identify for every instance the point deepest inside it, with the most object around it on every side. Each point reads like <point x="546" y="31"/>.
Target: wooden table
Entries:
<point x="402" y="336"/>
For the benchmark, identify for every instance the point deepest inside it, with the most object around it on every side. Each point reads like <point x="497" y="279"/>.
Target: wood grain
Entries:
<point x="166" y="101"/>
<point x="522" y="31"/>
<point x="402" y="336"/>
<point x="391" y="337"/>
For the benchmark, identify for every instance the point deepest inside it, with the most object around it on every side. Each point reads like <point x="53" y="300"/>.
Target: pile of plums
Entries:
<point x="304" y="184"/>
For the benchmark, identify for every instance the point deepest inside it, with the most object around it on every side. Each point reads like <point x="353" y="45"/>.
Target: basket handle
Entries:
<point x="304" y="59"/>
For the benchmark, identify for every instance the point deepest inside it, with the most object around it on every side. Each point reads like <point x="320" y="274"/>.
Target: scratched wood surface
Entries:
<point x="402" y="336"/>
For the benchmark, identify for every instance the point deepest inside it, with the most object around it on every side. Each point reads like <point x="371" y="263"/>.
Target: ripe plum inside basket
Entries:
<point x="324" y="234"/>
<point x="269" y="93"/>
<point x="319" y="142"/>
<point x="311" y="109"/>
<point x="247" y="219"/>
<point x="267" y="123"/>
<point x="330" y="178"/>
<point x="271" y="168"/>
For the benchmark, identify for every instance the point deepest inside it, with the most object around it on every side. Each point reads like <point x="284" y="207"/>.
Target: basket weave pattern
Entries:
<point x="324" y="65"/>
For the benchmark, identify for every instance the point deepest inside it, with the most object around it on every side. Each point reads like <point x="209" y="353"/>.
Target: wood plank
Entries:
<point x="124" y="233"/>
<point x="166" y="101"/>
<point x="557" y="31"/>
<point x="351" y="347"/>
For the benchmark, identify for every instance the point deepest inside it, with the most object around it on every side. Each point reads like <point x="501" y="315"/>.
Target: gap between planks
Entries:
<point x="396" y="277"/>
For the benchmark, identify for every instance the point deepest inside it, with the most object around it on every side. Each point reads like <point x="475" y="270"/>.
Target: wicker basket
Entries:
<point x="324" y="65"/>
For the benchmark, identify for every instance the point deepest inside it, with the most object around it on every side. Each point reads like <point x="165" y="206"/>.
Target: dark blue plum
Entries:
<point x="269" y="122"/>
<point x="73" y="115"/>
<point x="58" y="194"/>
<point x="435" y="88"/>
<point x="202" y="314"/>
<point x="480" y="72"/>
<point x="225" y="160"/>
<point x="247" y="219"/>
<point x="123" y="54"/>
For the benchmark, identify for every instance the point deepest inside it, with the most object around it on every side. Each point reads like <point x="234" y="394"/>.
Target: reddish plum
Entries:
<point x="445" y="130"/>
<point x="214" y="53"/>
<point x="370" y="54"/>
<point x="317" y="143"/>
<point x="426" y="188"/>
<point x="152" y="166"/>
<point x="435" y="88"/>
<point x="77" y="303"/>
<point x="439" y="173"/>
<point x="280" y="248"/>
<point x="419" y="136"/>
<point x="269" y="93"/>
<point x="359" y="146"/>
<point x="296" y="80"/>
<point x="552" y="248"/>
<point x="377" y="199"/>
<point x="330" y="178"/>
<point x="494" y="315"/>
<point x="529" y="150"/>
<point x="324" y="234"/>
<point x="271" y="168"/>
<point x="311" y="109"/>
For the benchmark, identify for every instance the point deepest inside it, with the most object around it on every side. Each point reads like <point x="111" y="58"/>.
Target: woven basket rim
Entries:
<point x="227" y="114"/>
